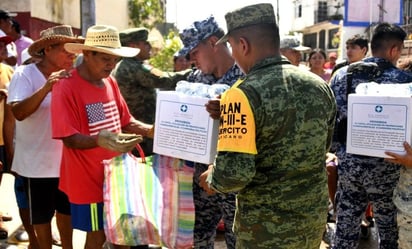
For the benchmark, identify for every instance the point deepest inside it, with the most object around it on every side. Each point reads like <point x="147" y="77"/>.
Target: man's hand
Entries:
<point x="213" y="107"/>
<point x="203" y="183"/>
<point x="404" y="159"/>
<point x="120" y="142"/>
<point x="331" y="159"/>
<point x="55" y="77"/>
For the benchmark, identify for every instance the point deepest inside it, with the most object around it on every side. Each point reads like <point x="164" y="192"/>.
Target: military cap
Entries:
<point x="197" y="32"/>
<point x="6" y="15"/>
<point x="292" y="42"/>
<point x="133" y="34"/>
<point x="247" y="16"/>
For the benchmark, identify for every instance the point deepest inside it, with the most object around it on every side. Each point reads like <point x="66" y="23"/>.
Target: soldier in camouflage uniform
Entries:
<point x="276" y="127"/>
<point x="214" y="65"/>
<point x="403" y="196"/>
<point x="364" y="179"/>
<point x="138" y="81"/>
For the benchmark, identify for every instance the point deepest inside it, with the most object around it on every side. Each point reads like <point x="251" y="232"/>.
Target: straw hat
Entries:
<point x="103" y="39"/>
<point x="53" y="35"/>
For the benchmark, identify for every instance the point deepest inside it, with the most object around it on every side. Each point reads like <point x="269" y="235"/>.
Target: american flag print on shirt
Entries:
<point x="103" y="116"/>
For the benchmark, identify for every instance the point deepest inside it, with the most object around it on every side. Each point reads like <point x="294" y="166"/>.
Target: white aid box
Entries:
<point x="184" y="129"/>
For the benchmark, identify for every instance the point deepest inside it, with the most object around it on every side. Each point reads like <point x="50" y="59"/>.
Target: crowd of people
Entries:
<point x="67" y="103"/>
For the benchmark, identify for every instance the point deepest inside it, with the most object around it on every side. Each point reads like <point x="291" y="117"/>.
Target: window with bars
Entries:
<point x="299" y="10"/>
<point x="322" y="13"/>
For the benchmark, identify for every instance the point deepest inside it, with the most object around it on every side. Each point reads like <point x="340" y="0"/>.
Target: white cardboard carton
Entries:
<point x="377" y="124"/>
<point x="184" y="129"/>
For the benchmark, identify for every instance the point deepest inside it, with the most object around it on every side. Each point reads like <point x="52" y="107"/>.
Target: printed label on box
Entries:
<point x="378" y="125"/>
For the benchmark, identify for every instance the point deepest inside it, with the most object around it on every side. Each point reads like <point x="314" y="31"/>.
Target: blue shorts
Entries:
<point x="20" y="191"/>
<point x="87" y="217"/>
<point x="45" y="199"/>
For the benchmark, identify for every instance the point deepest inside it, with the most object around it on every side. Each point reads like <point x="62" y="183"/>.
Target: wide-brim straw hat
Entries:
<point x="103" y="39"/>
<point x="53" y="35"/>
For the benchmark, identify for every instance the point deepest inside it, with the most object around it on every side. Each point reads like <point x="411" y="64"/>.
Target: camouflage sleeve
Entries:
<point x="129" y="71"/>
<point x="235" y="171"/>
<point x="154" y="78"/>
<point x="332" y="120"/>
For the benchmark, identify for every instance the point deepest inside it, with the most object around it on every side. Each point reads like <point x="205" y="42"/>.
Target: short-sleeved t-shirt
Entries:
<point x="78" y="107"/>
<point x="36" y="153"/>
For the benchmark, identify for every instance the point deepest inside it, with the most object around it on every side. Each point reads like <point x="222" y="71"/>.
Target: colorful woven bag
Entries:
<point x="148" y="201"/>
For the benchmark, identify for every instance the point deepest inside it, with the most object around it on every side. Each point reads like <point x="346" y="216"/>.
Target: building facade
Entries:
<point x="37" y="15"/>
<point x="327" y="24"/>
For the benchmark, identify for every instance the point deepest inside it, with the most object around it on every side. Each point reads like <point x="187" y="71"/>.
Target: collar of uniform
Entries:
<point x="378" y="60"/>
<point x="269" y="61"/>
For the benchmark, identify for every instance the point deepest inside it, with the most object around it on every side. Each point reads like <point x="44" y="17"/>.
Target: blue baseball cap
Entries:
<point x="197" y="32"/>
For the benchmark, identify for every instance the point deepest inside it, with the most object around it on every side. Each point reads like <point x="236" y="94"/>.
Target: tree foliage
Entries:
<point x="164" y="58"/>
<point x="145" y="12"/>
<point x="148" y="13"/>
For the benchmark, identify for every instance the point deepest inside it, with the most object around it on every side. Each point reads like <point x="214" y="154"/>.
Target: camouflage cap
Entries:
<point x="292" y="42"/>
<point x="197" y="32"/>
<point x="133" y="35"/>
<point x="247" y="16"/>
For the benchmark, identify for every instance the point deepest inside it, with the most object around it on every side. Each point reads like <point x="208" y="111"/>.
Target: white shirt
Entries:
<point x="36" y="153"/>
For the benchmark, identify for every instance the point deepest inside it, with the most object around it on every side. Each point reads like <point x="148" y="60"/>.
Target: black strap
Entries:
<point x="370" y="70"/>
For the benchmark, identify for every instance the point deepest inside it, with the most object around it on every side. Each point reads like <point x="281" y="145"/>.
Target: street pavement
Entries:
<point x="8" y="205"/>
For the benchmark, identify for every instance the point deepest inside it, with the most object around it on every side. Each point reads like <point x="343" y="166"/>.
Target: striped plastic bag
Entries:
<point x="178" y="216"/>
<point x="148" y="201"/>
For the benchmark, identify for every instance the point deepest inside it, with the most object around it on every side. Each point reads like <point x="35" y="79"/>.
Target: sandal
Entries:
<point x="3" y="231"/>
<point x="22" y="236"/>
<point x="56" y="239"/>
<point x="5" y="217"/>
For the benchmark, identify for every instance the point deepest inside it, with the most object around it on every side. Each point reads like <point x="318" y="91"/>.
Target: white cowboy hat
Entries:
<point x="103" y="39"/>
<point x="53" y="35"/>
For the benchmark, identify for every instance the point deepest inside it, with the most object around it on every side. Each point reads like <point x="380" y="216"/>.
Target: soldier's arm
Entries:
<point x="233" y="173"/>
<point x="234" y="166"/>
<point x="129" y="72"/>
<point x="155" y="78"/>
<point x="332" y="120"/>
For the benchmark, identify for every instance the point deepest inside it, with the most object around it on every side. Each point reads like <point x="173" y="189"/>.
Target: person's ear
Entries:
<point x="394" y="52"/>
<point x="244" y="45"/>
<point x="212" y="41"/>
<point x="364" y="50"/>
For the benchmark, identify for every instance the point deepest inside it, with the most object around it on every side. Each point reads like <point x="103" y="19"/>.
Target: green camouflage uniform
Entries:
<point x="282" y="191"/>
<point x="138" y="83"/>
<point x="403" y="200"/>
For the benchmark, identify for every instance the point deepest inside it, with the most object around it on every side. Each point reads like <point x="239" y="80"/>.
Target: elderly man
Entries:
<point x="30" y="99"/>
<point x="284" y="118"/>
<point x="88" y="115"/>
